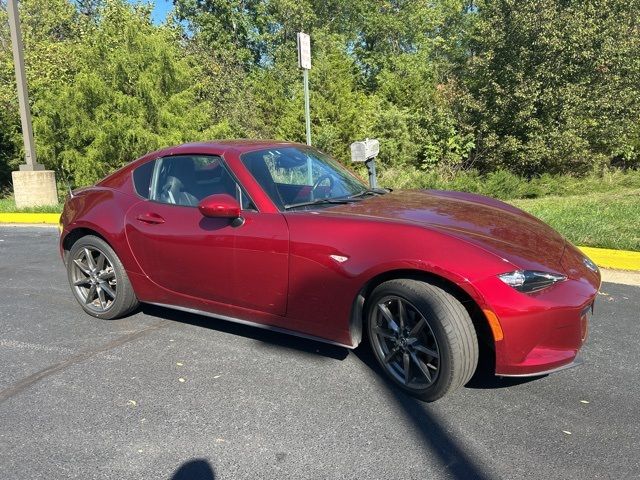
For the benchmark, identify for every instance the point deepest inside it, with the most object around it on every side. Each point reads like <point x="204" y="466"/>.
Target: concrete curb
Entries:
<point x="625" y="277"/>
<point x="603" y="257"/>
<point x="49" y="218"/>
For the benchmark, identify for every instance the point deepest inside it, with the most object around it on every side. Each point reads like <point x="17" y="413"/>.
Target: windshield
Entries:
<point x="297" y="176"/>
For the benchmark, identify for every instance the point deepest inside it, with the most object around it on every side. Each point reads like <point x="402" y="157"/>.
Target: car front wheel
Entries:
<point x="422" y="337"/>
<point x="98" y="279"/>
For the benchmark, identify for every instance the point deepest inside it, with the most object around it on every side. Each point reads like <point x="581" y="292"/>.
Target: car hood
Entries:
<point x="495" y="226"/>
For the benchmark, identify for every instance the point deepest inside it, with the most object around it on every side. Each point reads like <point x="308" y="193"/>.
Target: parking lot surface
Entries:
<point x="169" y="395"/>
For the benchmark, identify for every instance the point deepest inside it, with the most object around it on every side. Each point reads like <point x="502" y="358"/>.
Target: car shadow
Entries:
<point x="270" y="337"/>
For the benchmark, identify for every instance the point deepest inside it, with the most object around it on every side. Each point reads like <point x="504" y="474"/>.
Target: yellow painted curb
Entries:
<point x="616" y="259"/>
<point x="52" y="218"/>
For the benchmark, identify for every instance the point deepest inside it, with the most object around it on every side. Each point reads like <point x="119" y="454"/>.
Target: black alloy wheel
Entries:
<point x="422" y="337"/>
<point x="404" y="340"/>
<point x="98" y="279"/>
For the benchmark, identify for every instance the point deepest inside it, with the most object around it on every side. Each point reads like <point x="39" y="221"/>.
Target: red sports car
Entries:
<point x="281" y="236"/>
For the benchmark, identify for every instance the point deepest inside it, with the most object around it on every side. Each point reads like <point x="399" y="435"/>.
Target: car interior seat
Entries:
<point x="180" y="182"/>
<point x="258" y="168"/>
<point x="173" y="192"/>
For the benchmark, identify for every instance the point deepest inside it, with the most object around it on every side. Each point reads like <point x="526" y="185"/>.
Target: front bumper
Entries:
<point x="577" y="361"/>
<point x="542" y="332"/>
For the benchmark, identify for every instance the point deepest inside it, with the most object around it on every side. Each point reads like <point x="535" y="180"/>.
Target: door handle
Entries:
<point x="151" y="218"/>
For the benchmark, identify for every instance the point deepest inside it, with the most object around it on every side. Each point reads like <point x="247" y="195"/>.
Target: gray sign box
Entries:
<point x="363" y="151"/>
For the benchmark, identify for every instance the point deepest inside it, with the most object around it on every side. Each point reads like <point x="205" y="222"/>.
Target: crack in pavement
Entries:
<point x="26" y="382"/>
<point x="38" y="347"/>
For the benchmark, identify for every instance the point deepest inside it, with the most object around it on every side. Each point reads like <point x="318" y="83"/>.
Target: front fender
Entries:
<point x="334" y="258"/>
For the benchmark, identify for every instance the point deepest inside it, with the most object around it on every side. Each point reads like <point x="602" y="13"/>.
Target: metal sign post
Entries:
<point x="367" y="152"/>
<point x="307" y="116"/>
<point x="304" y="62"/>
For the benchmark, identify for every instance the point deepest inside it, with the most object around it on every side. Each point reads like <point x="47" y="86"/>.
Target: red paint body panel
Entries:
<point x="303" y="270"/>
<point x="209" y="258"/>
<point x="492" y="225"/>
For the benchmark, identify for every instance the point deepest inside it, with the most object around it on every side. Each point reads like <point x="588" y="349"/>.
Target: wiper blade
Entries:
<point x="323" y="201"/>
<point x="371" y="191"/>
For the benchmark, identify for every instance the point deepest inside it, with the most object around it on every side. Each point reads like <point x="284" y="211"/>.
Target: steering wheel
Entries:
<point x="321" y="179"/>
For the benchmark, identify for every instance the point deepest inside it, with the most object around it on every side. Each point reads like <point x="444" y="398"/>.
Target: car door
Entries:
<point x="213" y="259"/>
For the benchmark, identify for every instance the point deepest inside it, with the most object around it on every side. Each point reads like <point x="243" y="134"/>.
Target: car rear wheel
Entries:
<point x="98" y="279"/>
<point x="422" y="337"/>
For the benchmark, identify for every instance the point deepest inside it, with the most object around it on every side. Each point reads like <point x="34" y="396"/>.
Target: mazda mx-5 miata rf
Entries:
<point x="281" y="236"/>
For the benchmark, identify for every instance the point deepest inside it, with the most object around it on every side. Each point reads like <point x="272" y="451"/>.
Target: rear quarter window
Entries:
<point x="142" y="178"/>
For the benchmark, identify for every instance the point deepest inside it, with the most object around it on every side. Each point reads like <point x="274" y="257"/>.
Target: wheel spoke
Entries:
<point x="423" y="368"/>
<point x="90" y="261"/>
<point x="392" y="353"/>
<point x="384" y="333"/>
<point x="82" y="281"/>
<point x="91" y="295"/>
<point x="387" y="314"/>
<point x="427" y="351"/>
<point x="101" y="297"/>
<point x="100" y="261"/>
<point x="419" y="326"/>
<point x="402" y="314"/>
<point x="407" y="365"/>
<point x="107" y="289"/>
<point x="82" y="266"/>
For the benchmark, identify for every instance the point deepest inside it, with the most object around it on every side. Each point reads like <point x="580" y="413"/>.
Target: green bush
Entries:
<point x="505" y="185"/>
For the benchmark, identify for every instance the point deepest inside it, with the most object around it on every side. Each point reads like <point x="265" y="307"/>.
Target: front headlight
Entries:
<point x="528" y="281"/>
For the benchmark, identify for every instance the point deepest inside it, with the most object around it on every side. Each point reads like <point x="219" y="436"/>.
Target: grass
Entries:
<point x="8" y="205"/>
<point x="606" y="220"/>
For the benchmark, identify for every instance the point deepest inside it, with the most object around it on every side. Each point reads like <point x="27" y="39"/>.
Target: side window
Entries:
<point x="142" y="178"/>
<point x="185" y="180"/>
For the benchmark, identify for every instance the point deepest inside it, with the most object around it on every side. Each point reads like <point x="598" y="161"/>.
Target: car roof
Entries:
<point x="212" y="147"/>
<point x="240" y="145"/>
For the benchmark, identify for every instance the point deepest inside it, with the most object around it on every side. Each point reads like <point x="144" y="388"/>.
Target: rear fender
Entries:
<point x="101" y="210"/>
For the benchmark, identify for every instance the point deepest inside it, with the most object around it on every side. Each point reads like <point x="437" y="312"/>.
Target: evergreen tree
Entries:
<point x="134" y="91"/>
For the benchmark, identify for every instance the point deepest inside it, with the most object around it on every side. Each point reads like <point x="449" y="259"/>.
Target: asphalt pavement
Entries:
<point x="169" y="395"/>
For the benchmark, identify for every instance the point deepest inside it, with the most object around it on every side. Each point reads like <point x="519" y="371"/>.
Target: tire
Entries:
<point x="99" y="283"/>
<point x="438" y="341"/>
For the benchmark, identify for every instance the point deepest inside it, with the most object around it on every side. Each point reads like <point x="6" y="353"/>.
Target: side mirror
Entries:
<point x="220" y="205"/>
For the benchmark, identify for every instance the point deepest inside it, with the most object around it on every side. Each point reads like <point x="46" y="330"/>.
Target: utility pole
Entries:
<point x="23" y="92"/>
<point x="32" y="185"/>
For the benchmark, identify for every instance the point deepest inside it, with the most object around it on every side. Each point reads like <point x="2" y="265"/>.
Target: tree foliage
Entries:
<point x="133" y="90"/>
<point x="529" y="87"/>
<point x="555" y="84"/>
